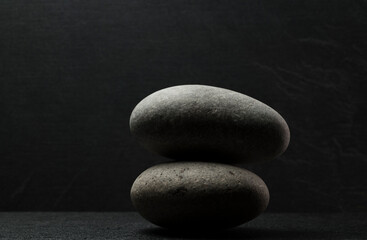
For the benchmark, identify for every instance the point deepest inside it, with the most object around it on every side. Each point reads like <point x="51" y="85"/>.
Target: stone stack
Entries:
<point x="203" y="129"/>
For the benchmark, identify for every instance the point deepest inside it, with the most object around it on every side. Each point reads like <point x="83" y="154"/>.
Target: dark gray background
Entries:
<point x="72" y="71"/>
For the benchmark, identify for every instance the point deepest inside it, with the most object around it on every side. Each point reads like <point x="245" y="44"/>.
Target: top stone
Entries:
<point x="205" y="123"/>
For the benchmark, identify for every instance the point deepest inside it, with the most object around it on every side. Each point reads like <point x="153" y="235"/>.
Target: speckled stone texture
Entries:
<point x="199" y="195"/>
<point x="199" y="122"/>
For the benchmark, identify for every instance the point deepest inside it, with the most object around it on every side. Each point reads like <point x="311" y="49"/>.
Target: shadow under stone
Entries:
<point x="240" y="233"/>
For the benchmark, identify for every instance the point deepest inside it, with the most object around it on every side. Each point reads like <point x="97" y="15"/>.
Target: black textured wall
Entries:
<point x="72" y="71"/>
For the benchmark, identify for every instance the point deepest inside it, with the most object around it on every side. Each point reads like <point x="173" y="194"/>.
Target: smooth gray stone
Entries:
<point x="199" y="122"/>
<point x="199" y="195"/>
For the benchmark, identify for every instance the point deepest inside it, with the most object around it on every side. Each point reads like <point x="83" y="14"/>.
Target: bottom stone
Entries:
<point x="199" y="195"/>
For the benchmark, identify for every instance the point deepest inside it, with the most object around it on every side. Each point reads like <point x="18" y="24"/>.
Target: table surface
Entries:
<point x="130" y="225"/>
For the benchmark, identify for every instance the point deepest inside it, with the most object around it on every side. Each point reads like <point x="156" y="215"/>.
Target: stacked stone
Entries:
<point x="203" y="129"/>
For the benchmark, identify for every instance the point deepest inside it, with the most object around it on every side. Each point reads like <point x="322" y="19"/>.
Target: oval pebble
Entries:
<point x="201" y="195"/>
<point x="200" y="122"/>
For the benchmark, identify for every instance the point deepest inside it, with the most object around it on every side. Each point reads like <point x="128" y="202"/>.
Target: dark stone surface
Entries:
<point x="191" y="195"/>
<point x="199" y="122"/>
<point x="130" y="226"/>
<point x="72" y="71"/>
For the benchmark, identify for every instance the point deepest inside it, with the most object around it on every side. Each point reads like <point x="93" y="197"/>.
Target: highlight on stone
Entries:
<point x="203" y="129"/>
